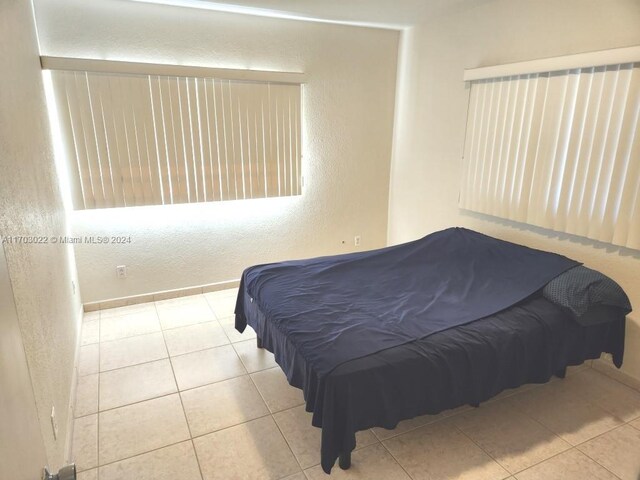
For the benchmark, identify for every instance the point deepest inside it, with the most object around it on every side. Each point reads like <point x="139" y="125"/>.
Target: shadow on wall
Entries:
<point x="553" y="235"/>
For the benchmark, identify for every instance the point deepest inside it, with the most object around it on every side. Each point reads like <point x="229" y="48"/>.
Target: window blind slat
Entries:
<point x="492" y="181"/>
<point x="159" y="139"/>
<point x="87" y="130"/>
<point x="204" y="140"/>
<point x="558" y="151"/>
<point x="552" y="99"/>
<point x="578" y="214"/>
<point x="283" y="142"/>
<point x="574" y="144"/>
<point x="518" y="204"/>
<point x="532" y="140"/>
<point x="98" y="129"/>
<point x="245" y="172"/>
<point x="605" y="205"/>
<point x="195" y="140"/>
<point x="221" y="134"/>
<point x="297" y="113"/>
<point x="264" y="144"/>
<point x="138" y="140"/>
<point x="472" y="113"/>
<point x="517" y="123"/>
<point x="59" y="83"/>
<point x="557" y="163"/>
<point x="273" y="170"/>
<point x="502" y="172"/>
<point x="173" y="181"/>
<point x="629" y="171"/>
<point x="145" y="147"/>
<point x="102" y="89"/>
<point x="176" y="117"/>
<point x="214" y="139"/>
<point x="599" y="165"/>
<point x="132" y="146"/>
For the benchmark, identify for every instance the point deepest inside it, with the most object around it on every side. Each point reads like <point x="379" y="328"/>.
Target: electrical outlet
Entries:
<point x="54" y="422"/>
<point x="73" y="286"/>
<point x="121" y="271"/>
<point x="356" y="240"/>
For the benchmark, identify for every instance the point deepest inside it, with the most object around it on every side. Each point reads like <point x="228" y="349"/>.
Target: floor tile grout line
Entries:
<point x="173" y="444"/>
<point x="164" y="446"/>
<point x="161" y="329"/>
<point x="178" y="391"/>
<point x="598" y="436"/>
<point x="273" y="419"/>
<point x="99" y="372"/>
<point x="572" y="447"/>
<point x="137" y="402"/>
<point x="524" y="413"/>
<point x="98" y="401"/>
<point x="395" y="459"/>
<point x="137" y="335"/>
<point x="135" y="365"/>
<point x="545" y="460"/>
<point x="196" y="351"/>
<point x="216" y="317"/>
<point x="608" y="377"/>
<point x="210" y="305"/>
<point x="232" y="426"/>
<point x="482" y="449"/>
<point x="168" y="355"/>
<point x="184" y="412"/>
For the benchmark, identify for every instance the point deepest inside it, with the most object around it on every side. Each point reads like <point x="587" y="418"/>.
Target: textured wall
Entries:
<point x="30" y="204"/>
<point x="348" y="120"/>
<point x="431" y="115"/>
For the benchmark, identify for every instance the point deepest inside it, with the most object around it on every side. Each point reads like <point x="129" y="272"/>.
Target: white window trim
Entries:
<point x="599" y="58"/>
<point x="138" y="68"/>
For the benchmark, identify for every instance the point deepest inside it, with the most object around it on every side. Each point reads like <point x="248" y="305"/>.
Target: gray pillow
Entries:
<point x="581" y="288"/>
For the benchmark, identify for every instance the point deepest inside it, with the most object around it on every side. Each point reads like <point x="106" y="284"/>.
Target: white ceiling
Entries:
<point x="379" y="13"/>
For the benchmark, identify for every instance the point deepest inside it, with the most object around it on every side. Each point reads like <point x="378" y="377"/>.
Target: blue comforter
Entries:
<point x="340" y="308"/>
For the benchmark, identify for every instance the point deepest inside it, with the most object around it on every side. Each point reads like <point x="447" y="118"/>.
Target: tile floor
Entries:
<point x="170" y="391"/>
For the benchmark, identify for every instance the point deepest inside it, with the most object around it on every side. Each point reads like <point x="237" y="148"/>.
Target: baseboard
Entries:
<point x="163" y="295"/>
<point x="606" y="366"/>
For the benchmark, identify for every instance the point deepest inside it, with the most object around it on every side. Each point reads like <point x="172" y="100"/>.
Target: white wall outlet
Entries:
<point x="54" y="422"/>
<point x="121" y="271"/>
<point x="356" y="240"/>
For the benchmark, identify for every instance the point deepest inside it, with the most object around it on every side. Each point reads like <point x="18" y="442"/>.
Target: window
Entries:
<point x="137" y="136"/>
<point x="558" y="149"/>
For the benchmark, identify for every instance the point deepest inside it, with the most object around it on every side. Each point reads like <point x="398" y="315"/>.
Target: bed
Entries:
<point x="455" y="318"/>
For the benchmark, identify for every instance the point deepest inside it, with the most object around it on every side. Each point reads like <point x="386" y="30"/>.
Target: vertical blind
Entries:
<point x="559" y="150"/>
<point x="135" y="139"/>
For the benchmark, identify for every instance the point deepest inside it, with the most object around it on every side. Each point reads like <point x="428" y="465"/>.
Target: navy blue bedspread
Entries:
<point x="339" y="308"/>
<point x="314" y="315"/>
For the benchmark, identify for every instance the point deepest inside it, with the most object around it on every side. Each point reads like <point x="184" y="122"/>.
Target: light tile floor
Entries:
<point x="170" y="391"/>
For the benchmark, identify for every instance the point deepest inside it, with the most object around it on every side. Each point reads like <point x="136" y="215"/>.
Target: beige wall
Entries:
<point x="22" y="454"/>
<point x="30" y="204"/>
<point x="431" y="114"/>
<point x="348" y="120"/>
